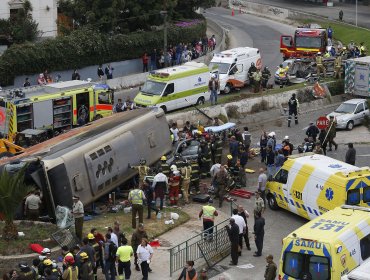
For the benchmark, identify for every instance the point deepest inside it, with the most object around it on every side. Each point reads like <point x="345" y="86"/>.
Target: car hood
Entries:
<point x="340" y="116"/>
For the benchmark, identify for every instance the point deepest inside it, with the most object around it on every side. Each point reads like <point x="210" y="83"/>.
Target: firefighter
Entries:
<point x="266" y="74"/>
<point x="251" y="71"/>
<point x="219" y="147"/>
<point x="363" y="51"/>
<point x="164" y="166"/>
<point x="143" y="170"/>
<point x="174" y="185"/>
<point x="185" y="182"/>
<point x="213" y="145"/>
<point x="205" y="159"/>
<point x="338" y="67"/>
<point x="257" y="76"/>
<point x="194" y="179"/>
<point x="319" y="65"/>
<point x="293" y="109"/>
<point x="282" y="72"/>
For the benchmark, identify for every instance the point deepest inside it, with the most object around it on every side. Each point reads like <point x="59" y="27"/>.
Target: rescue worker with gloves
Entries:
<point x="293" y="109"/>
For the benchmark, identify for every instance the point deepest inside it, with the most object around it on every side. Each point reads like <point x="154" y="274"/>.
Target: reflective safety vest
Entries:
<point x="73" y="273"/>
<point x="136" y="197"/>
<point x="186" y="172"/>
<point x="318" y="60"/>
<point x="208" y="212"/>
<point x="188" y="277"/>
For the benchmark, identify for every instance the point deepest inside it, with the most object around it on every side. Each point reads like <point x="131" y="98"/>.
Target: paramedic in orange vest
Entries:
<point x="174" y="185"/>
<point x="208" y="212"/>
<point x="189" y="272"/>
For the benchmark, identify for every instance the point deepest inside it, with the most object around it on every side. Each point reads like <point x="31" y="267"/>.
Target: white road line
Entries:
<point x="368" y="155"/>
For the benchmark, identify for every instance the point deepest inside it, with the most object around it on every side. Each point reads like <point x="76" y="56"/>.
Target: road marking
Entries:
<point x="368" y="155"/>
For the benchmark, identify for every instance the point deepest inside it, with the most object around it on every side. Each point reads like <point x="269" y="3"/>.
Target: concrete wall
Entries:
<point x="44" y="12"/>
<point x="265" y="10"/>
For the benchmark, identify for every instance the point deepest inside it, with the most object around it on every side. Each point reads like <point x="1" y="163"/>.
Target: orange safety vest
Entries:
<point x="194" y="278"/>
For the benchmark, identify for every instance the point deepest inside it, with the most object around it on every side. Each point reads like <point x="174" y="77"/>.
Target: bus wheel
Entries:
<point x="164" y="109"/>
<point x="200" y="101"/>
<point x="272" y="202"/>
<point x="6" y="155"/>
<point x="98" y="117"/>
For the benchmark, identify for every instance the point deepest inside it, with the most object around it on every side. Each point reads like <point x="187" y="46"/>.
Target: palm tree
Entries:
<point x="12" y="192"/>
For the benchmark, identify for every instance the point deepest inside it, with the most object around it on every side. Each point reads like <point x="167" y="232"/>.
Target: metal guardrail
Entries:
<point x="189" y="249"/>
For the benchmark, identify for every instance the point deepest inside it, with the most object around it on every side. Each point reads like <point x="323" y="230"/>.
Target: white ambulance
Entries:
<point x="233" y="66"/>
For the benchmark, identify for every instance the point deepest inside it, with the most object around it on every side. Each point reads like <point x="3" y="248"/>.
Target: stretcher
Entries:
<point x="241" y="193"/>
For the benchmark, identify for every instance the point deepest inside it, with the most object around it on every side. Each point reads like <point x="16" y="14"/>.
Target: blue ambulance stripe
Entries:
<point x="280" y="197"/>
<point x="309" y="209"/>
<point x="327" y="254"/>
<point x="298" y="205"/>
<point x="349" y="183"/>
<point x="286" y="200"/>
<point x="304" y="207"/>
<point x="316" y="213"/>
<point x="291" y="201"/>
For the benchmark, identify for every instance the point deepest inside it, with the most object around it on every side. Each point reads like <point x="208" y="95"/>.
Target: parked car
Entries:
<point x="350" y="113"/>
<point x="186" y="150"/>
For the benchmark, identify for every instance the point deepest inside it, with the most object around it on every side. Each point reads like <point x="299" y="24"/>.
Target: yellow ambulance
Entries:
<point x="327" y="247"/>
<point x="310" y="184"/>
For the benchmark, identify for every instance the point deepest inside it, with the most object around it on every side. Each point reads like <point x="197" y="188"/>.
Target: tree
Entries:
<point x="12" y="192"/>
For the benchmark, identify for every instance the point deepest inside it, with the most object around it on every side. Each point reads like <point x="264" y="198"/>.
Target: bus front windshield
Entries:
<point x="308" y="42"/>
<point x="153" y="88"/>
<point x="223" y="68"/>
<point x="298" y="266"/>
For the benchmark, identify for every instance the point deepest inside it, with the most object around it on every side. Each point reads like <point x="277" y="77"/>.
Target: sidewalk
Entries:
<point x="349" y="10"/>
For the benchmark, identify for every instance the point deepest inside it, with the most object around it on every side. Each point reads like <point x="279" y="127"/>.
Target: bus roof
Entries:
<point x="47" y="89"/>
<point x="326" y="165"/>
<point x="185" y="70"/>
<point x="343" y="219"/>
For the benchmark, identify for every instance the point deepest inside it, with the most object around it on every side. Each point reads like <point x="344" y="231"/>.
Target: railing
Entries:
<point x="189" y="249"/>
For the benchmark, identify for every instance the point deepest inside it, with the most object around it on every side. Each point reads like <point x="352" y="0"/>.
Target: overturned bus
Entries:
<point x="92" y="160"/>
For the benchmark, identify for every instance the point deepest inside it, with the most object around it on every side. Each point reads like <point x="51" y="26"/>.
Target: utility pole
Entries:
<point x="164" y="14"/>
<point x="356" y="12"/>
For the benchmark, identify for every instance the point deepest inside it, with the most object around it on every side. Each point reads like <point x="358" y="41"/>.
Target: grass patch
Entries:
<point x="153" y="227"/>
<point x="40" y="233"/>
<point x="345" y="33"/>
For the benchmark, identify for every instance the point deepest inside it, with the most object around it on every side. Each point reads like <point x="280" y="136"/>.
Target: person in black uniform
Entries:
<point x="233" y="232"/>
<point x="293" y="109"/>
<point x="312" y="131"/>
<point x="259" y="232"/>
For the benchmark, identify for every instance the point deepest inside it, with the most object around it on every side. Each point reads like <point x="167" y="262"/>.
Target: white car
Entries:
<point x="350" y="113"/>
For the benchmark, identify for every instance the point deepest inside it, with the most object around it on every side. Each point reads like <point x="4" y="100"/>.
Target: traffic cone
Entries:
<point x="232" y="12"/>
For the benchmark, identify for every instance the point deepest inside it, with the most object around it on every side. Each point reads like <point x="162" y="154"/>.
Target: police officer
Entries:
<point x="194" y="179"/>
<point x="185" y="182"/>
<point x="143" y="170"/>
<point x="293" y="109"/>
<point x="136" y="198"/>
<point x="266" y="74"/>
<point x="319" y="65"/>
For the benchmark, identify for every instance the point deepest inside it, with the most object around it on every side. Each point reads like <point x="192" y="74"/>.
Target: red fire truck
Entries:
<point x="306" y="42"/>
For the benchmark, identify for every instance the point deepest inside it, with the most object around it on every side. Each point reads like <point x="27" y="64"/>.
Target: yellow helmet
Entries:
<point x="48" y="262"/>
<point x="163" y="158"/>
<point x="229" y="157"/>
<point x="90" y="236"/>
<point x="84" y="256"/>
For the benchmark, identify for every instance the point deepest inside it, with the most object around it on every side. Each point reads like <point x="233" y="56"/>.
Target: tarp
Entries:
<point x="220" y="127"/>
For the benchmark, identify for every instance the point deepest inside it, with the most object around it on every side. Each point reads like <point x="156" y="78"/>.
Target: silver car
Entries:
<point x="350" y="113"/>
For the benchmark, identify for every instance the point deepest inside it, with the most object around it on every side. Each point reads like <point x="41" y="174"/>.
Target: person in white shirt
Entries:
<point x="214" y="169"/>
<point x="159" y="186"/>
<point x="113" y="236"/>
<point x="144" y="253"/>
<point x="175" y="132"/>
<point x="242" y="227"/>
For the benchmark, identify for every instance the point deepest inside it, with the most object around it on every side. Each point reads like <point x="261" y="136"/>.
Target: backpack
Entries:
<point x="112" y="251"/>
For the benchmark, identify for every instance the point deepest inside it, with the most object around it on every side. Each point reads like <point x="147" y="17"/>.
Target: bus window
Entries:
<point x="353" y="197"/>
<point x="293" y="264"/>
<point x="366" y="196"/>
<point x="104" y="97"/>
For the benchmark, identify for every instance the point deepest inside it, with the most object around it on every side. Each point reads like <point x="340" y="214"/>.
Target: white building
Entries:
<point x="44" y="12"/>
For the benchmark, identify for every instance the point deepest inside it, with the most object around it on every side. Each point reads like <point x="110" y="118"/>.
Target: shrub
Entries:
<point x="232" y="111"/>
<point x="259" y="107"/>
<point x="86" y="47"/>
<point x="305" y="95"/>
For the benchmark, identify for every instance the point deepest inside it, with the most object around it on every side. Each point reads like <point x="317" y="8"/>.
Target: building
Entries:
<point x="44" y="12"/>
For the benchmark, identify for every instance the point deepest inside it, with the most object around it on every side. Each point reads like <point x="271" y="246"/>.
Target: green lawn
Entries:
<point x="345" y="33"/>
